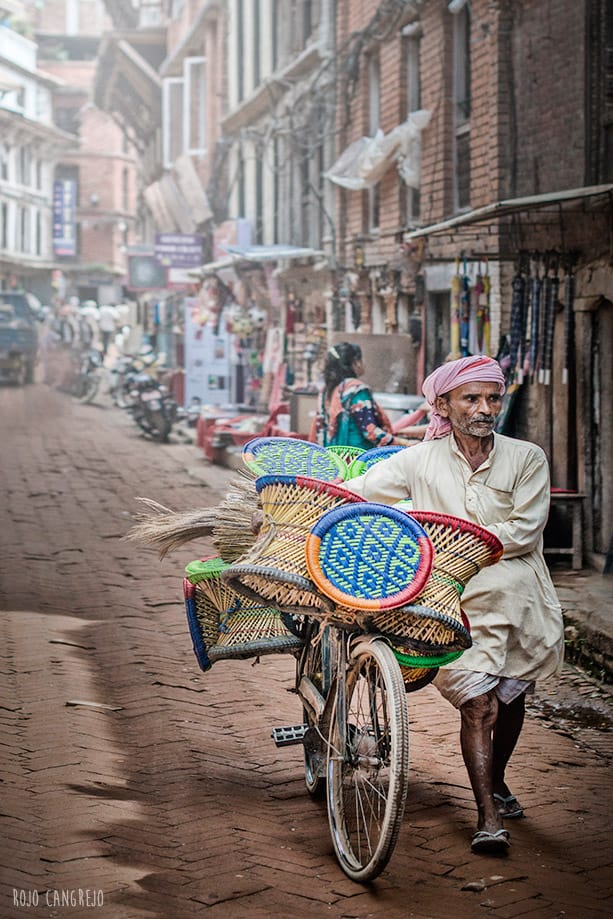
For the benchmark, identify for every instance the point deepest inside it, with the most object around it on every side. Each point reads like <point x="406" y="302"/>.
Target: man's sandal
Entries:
<point x="509" y="807"/>
<point x="484" y="843"/>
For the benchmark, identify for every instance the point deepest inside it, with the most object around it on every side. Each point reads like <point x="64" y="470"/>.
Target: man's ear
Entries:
<point x="442" y="406"/>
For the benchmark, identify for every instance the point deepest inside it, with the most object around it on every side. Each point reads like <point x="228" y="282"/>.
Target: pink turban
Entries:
<point x="474" y="369"/>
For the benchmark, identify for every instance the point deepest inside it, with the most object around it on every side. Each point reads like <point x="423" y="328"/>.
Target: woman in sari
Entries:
<point x="348" y="414"/>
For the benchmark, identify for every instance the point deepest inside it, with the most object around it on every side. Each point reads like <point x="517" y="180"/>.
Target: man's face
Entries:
<point x="472" y="408"/>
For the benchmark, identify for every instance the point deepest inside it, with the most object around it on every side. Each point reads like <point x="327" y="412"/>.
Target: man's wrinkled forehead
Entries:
<point x="473" y="388"/>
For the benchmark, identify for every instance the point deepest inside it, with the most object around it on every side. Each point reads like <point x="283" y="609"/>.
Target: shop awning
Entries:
<point x="511" y="206"/>
<point x="272" y="253"/>
<point x="276" y="252"/>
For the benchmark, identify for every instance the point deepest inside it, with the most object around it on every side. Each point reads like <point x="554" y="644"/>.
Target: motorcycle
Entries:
<point x="151" y="405"/>
<point x="88" y="376"/>
<point x="123" y="370"/>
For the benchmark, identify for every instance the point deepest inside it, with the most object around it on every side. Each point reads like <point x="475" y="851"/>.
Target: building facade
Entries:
<point x="30" y="147"/>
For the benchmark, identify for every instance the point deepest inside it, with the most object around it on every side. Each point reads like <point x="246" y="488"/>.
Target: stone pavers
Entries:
<point x="127" y="771"/>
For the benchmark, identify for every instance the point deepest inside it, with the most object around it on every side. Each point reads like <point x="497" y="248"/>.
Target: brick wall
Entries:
<point x="549" y="77"/>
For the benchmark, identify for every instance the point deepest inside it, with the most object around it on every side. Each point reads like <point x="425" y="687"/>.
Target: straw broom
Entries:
<point x="230" y="523"/>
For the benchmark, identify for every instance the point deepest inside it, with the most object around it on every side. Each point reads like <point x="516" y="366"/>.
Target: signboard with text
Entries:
<point x="64" y="218"/>
<point x="179" y="250"/>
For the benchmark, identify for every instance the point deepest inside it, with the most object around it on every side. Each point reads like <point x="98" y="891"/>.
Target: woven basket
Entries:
<point x="368" y="458"/>
<point x="275" y="568"/>
<point x="346" y="453"/>
<point x="291" y="456"/>
<point x="416" y="678"/>
<point x="368" y="556"/>
<point x="435" y="622"/>
<point x="224" y="625"/>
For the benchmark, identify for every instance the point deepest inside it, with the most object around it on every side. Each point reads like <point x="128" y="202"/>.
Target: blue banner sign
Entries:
<point x="64" y="218"/>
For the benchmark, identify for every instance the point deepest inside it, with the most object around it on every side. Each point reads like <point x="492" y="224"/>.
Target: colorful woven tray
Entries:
<point x="346" y="453"/>
<point x="461" y="549"/>
<point x="291" y="456"/>
<point x="275" y="567"/>
<point x="369" y="457"/>
<point x="224" y="625"/>
<point x="368" y="556"/>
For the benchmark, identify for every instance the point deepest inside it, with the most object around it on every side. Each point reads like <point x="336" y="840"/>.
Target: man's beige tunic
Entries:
<point x="513" y="609"/>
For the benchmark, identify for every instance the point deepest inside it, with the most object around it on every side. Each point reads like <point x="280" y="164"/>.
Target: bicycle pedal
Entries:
<point x="284" y="737"/>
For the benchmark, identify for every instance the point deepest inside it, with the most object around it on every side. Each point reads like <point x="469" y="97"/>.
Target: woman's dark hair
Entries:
<point x="339" y="363"/>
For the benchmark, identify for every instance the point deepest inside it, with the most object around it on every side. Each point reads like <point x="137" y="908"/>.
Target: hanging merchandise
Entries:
<point x="535" y="297"/>
<point x="543" y="320"/>
<point x="523" y="363"/>
<point x="569" y="318"/>
<point x="485" y="306"/>
<point x="464" y="313"/>
<point x="553" y="286"/>
<point x="517" y="301"/>
<point x="456" y="285"/>
<point x="477" y="309"/>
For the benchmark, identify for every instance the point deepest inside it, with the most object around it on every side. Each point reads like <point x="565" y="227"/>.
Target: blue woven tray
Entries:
<point x="368" y="556"/>
<point x="291" y="456"/>
<point x="365" y="460"/>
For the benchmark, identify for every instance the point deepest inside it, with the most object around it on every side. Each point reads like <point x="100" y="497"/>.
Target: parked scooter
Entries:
<point x="151" y="405"/>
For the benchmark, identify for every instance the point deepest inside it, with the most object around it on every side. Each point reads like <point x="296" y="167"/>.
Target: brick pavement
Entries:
<point x="128" y="772"/>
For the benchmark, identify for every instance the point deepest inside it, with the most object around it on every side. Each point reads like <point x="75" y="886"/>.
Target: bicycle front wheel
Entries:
<point x="368" y="761"/>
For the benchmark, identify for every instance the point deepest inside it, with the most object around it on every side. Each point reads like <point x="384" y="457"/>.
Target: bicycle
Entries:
<point x="356" y="741"/>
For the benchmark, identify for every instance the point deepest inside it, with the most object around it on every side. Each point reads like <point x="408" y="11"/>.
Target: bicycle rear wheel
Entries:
<point x="368" y="761"/>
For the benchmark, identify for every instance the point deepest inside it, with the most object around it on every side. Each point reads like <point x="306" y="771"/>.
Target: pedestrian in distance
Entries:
<point x="465" y="469"/>
<point x="108" y="317"/>
<point x="348" y="414"/>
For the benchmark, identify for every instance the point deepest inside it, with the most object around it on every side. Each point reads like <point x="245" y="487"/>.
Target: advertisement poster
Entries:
<point x="207" y="359"/>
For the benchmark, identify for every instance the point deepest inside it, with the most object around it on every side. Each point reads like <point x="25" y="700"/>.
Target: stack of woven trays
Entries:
<point x="274" y="568"/>
<point x="355" y="557"/>
<point x="226" y="626"/>
<point x="437" y="624"/>
<point x="367" y="458"/>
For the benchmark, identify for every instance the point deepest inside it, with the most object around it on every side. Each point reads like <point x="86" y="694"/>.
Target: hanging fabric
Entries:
<point x="544" y="319"/>
<point x="456" y="284"/>
<point x="477" y="308"/>
<point x="551" y="305"/>
<point x="569" y="319"/>
<point x="535" y="298"/>
<point x="522" y="366"/>
<point x="485" y="303"/>
<point x="465" y="313"/>
<point x="517" y="302"/>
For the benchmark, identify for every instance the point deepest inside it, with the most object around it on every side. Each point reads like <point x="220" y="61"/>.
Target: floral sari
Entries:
<point x="353" y="418"/>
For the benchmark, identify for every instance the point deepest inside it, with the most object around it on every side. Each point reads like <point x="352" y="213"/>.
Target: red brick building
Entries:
<point x="515" y="187"/>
